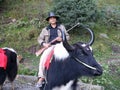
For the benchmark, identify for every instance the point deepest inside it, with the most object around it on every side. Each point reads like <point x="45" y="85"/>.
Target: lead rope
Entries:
<point x="85" y="64"/>
<point x="88" y="67"/>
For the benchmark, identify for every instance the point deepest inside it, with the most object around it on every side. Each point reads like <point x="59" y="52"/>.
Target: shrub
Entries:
<point x="74" y="11"/>
<point x="111" y="15"/>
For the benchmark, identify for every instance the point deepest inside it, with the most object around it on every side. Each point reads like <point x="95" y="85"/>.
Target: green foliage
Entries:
<point x="30" y="64"/>
<point x="109" y="80"/>
<point x="88" y="11"/>
<point x="26" y="71"/>
<point x="20" y="23"/>
<point x="74" y="11"/>
<point x="110" y="15"/>
<point x="23" y="9"/>
<point x="1" y="1"/>
<point x="110" y="76"/>
<point x="101" y="3"/>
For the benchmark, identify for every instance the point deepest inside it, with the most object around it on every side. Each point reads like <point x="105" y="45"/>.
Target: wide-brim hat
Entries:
<point x="51" y="14"/>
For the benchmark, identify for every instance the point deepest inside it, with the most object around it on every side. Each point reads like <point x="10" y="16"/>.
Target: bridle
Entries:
<point x="79" y="61"/>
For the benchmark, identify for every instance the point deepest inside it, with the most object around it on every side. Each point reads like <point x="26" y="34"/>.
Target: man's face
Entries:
<point x="52" y="20"/>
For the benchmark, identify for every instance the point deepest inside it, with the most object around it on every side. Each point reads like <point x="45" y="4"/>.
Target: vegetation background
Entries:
<point x="21" y="22"/>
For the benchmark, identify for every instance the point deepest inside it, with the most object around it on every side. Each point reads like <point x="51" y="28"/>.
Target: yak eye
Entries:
<point x="80" y="52"/>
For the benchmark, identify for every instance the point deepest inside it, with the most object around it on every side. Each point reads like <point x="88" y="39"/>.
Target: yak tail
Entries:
<point x="2" y="75"/>
<point x="12" y="67"/>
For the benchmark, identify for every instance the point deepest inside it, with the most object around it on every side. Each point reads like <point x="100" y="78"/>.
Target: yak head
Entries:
<point x="82" y="54"/>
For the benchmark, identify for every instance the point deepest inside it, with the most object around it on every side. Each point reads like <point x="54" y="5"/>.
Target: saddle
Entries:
<point x="3" y="59"/>
<point x="48" y="59"/>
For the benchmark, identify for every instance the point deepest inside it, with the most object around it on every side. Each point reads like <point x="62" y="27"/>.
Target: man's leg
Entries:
<point x="41" y="76"/>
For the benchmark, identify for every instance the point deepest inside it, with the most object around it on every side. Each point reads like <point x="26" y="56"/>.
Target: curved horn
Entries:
<point x="92" y="38"/>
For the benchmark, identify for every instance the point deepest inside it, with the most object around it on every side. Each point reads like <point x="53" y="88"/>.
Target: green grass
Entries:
<point x="108" y="2"/>
<point x="20" y="9"/>
<point x="30" y="65"/>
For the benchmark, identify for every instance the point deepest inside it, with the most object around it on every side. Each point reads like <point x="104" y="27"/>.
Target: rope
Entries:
<point x="85" y="64"/>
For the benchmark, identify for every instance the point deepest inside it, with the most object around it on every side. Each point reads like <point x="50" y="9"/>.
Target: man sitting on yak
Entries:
<point x="50" y="35"/>
<point x="61" y="62"/>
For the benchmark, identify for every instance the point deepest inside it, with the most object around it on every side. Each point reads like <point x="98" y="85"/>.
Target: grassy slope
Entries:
<point x="22" y="35"/>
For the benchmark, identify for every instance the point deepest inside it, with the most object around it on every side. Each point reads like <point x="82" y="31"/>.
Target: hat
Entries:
<point x="51" y="14"/>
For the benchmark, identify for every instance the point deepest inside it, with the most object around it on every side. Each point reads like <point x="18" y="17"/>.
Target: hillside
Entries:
<point x="21" y="22"/>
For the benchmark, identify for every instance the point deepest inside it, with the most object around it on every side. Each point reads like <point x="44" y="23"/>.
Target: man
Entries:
<point x="48" y="34"/>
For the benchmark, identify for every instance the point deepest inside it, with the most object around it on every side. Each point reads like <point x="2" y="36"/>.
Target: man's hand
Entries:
<point x="46" y="45"/>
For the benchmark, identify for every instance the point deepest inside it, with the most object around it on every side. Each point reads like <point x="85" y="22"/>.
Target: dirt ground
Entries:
<point x="22" y="82"/>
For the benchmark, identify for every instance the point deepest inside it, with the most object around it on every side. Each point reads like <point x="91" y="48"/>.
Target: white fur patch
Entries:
<point x="90" y="48"/>
<point x="11" y="49"/>
<point x="64" y="87"/>
<point x="84" y="45"/>
<point x="60" y="52"/>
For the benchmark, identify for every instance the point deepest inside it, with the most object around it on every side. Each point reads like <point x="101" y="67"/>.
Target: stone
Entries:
<point x="24" y="82"/>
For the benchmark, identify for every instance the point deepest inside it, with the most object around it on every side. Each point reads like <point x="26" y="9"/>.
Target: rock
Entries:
<point x="116" y="48"/>
<point x="24" y="82"/>
<point x="114" y="66"/>
<point x="83" y="86"/>
<point x="103" y="35"/>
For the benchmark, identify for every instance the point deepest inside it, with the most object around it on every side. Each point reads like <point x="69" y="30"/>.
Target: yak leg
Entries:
<point x="1" y="87"/>
<point x="12" y="84"/>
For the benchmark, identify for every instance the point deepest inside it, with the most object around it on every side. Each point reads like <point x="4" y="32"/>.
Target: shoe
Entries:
<point x="40" y="83"/>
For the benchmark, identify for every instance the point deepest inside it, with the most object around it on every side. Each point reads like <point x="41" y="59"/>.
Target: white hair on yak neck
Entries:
<point x="65" y="87"/>
<point x="60" y="52"/>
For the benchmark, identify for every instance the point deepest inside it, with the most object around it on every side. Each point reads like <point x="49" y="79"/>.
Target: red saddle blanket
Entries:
<point x="3" y="59"/>
<point x="48" y="60"/>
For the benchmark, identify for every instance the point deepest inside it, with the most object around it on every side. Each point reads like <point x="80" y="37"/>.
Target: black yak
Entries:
<point x="70" y="62"/>
<point x="8" y="65"/>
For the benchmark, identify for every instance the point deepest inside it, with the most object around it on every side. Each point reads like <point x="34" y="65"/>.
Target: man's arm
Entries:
<point x="41" y="37"/>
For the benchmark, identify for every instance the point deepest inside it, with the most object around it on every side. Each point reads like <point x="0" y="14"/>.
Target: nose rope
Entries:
<point x="85" y="64"/>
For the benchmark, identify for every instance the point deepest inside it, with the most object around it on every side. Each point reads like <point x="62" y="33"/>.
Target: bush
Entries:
<point x="1" y="1"/>
<point x="111" y="14"/>
<point x="74" y="11"/>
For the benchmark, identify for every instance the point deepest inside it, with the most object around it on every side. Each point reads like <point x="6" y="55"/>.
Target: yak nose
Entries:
<point x="98" y="72"/>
